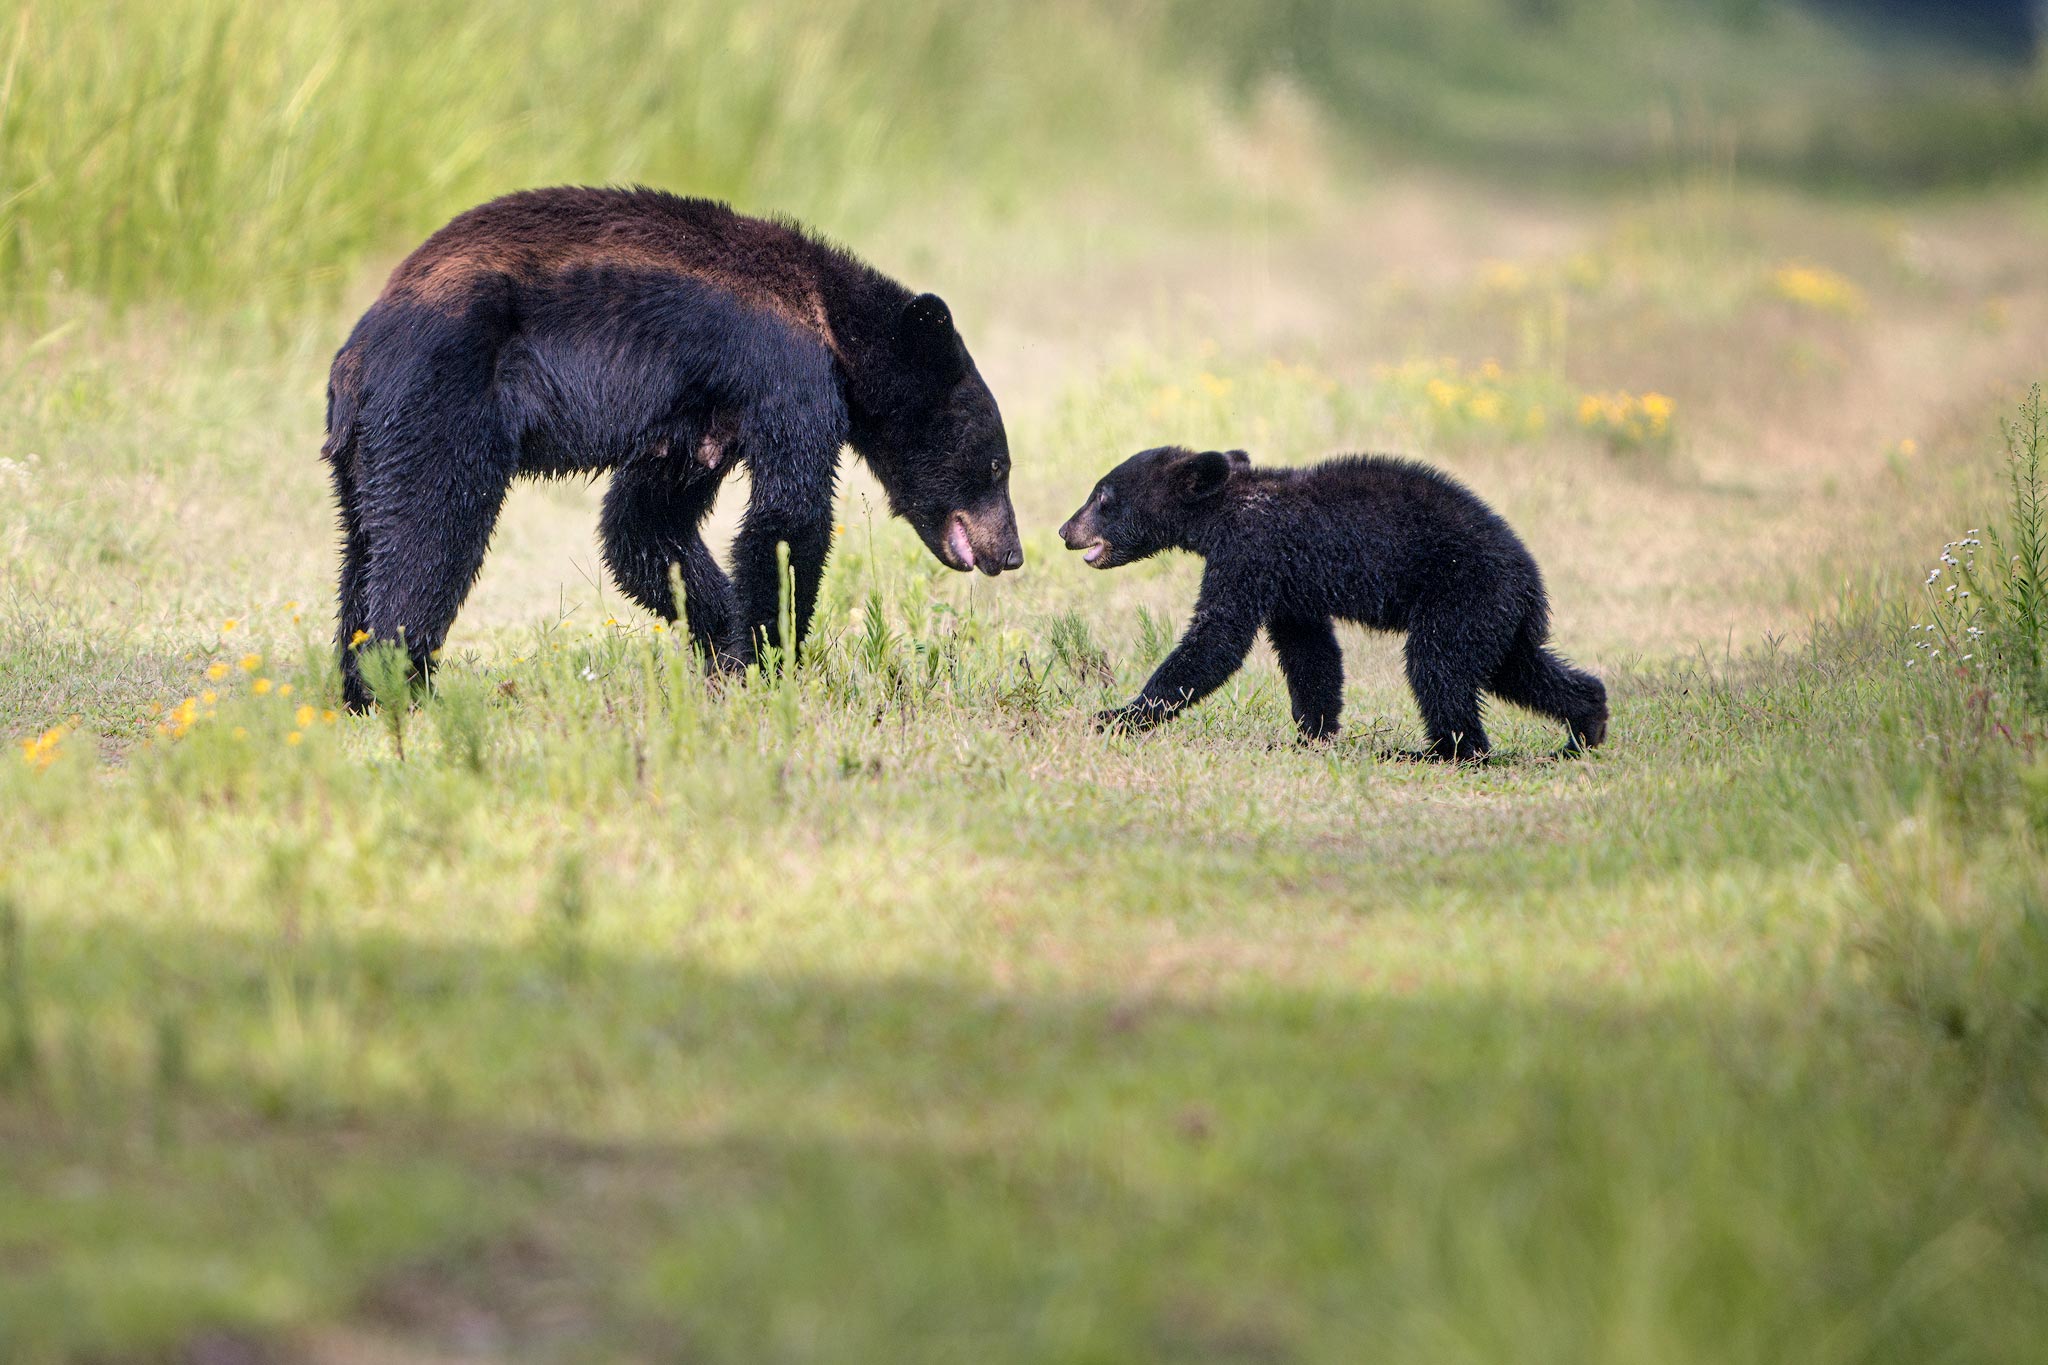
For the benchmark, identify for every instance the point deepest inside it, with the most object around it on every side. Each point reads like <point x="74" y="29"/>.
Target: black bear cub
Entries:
<point x="1385" y="542"/>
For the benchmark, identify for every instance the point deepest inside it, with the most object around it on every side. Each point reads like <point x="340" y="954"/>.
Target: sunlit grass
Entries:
<point x="880" y="1009"/>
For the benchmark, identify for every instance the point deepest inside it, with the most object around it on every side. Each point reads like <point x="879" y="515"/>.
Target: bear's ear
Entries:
<point x="1238" y="459"/>
<point x="1204" y="475"/>
<point x="930" y="341"/>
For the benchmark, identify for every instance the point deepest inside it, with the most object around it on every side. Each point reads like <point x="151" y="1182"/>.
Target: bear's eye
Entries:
<point x="995" y="469"/>
<point x="1104" y="496"/>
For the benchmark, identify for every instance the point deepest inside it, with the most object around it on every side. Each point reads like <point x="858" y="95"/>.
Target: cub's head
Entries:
<point x="932" y="435"/>
<point x="1149" y="502"/>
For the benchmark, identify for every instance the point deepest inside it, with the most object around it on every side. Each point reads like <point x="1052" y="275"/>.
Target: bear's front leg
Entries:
<point x="757" y="575"/>
<point x="793" y="469"/>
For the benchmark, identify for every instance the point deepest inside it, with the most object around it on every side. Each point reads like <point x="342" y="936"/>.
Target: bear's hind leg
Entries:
<point x="1313" y="664"/>
<point x="430" y="504"/>
<point x="1537" y="680"/>
<point x="353" y="613"/>
<point x="650" y="521"/>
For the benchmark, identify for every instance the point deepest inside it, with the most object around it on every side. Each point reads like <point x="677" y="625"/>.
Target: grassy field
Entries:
<point x="885" y="1011"/>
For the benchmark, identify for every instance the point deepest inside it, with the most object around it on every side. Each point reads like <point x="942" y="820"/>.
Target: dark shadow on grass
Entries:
<point x="563" y="1153"/>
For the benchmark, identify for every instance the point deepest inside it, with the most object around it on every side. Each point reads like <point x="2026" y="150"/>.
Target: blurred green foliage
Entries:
<point x="1605" y="87"/>
<point x="228" y="151"/>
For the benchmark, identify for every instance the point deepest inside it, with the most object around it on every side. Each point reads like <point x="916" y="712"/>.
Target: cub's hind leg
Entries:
<point x="1537" y="680"/>
<point x="1450" y="655"/>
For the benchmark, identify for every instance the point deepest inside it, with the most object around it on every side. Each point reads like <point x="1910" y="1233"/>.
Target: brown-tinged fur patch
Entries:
<point x="528" y="239"/>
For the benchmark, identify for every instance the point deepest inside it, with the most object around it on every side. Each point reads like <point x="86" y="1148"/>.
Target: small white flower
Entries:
<point x="589" y="676"/>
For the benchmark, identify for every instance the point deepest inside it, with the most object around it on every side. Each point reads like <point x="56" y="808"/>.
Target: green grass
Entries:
<point x="889" y="1013"/>
<point x="927" y="1023"/>
<point x="885" y="1011"/>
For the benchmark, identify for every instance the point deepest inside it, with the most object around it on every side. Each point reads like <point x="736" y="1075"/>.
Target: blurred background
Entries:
<point x="240" y="153"/>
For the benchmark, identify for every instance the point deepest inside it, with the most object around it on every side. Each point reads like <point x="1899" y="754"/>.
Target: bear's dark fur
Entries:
<point x="667" y="340"/>
<point x="1384" y="542"/>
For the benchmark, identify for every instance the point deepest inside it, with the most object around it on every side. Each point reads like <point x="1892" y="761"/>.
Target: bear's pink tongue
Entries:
<point x="1095" y="551"/>
<point x="957" y="542"/>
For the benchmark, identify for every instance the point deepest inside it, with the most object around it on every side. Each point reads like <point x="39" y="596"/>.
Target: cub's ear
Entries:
<point x="930" y="341"/>
<point x="1204" y="475"/>
<point x="1238" y="459"/>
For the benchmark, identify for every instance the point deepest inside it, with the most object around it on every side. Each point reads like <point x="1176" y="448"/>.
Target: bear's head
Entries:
<point x="1150" y="503"/>
<point x="930" y="431"/>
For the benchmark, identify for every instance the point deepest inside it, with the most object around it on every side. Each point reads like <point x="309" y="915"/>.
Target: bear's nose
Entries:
<point x="1014" y="558"/>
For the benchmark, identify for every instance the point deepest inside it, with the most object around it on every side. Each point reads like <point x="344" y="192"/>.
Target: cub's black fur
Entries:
<point x="667" y="340"/>
<point x="1384" y="542"/>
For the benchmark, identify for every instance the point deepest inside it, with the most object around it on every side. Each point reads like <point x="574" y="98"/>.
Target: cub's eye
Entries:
<point x="1104" y="496"/>
<point x="995" y="469"/>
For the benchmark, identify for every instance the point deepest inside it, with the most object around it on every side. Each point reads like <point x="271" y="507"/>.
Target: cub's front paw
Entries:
<point x="1117" y="720"/>
<point x="1129" y="719"/>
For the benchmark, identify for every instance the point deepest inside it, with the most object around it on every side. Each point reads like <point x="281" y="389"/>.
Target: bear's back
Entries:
<point x="536" y="240"/>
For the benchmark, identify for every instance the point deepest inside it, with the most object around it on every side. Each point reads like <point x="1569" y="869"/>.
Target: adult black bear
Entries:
<point x="1384" y="542"/>
<point x="666" y="339"/>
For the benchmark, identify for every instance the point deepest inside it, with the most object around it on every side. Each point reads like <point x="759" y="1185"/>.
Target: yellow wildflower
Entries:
<point x="303" y="716"/>
<point x="1909" y="447"/>
<point x="261" y="687"/>
<point x="1214" y="385"/>
<point x="284" y="689"/>
<point x="249" y="663"/>
<point x="41" y="752"/>
<point x="241" y="732"/>
<point x="228" y="625"/>
<point x="294" y="739"/>
<point x="216" y="671"/>
<point x="1814" y="287"/>
<point x="209" y="696"/>
<point x="329" y="717"/>
<point x="358" y="638"/>
<point x="1504" y="277"/>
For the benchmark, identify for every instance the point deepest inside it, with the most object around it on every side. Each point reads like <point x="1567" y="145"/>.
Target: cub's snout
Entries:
<point x="1083" y="533"/>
